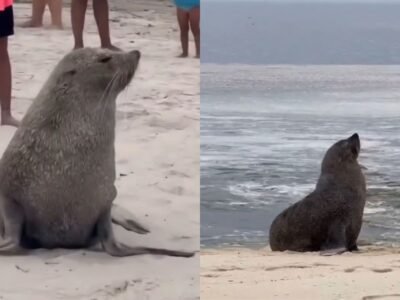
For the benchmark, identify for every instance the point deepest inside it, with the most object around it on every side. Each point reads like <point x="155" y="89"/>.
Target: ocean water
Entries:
<point x="305" y="32"/>
<point x="265" y="129"/>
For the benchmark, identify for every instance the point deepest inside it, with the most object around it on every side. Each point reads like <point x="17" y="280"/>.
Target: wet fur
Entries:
<point x="57" y="174"/>
<point x="330" y="218"/>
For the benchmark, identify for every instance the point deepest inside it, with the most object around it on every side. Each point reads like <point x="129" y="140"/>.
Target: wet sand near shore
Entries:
<point x="262" y="274"/>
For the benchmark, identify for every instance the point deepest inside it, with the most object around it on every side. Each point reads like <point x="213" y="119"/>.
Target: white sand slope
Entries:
<point x="157" y="157"/>
<point x="260" y="275"/>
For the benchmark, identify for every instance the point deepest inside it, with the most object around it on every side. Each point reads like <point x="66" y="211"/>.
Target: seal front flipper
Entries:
<point x="123" y="218"/>
<point x="336" y="240"/>
<point x="113" y="247"/>
<point x="12" y="222"/>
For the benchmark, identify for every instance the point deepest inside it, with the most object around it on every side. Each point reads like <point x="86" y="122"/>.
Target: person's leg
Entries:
<point x="100" y="10"/>
<point x="194" y="17"/>
<point x="5" y="85"/>
<point x="183" y="20"/>
<point x="78" y="11"/>
<point x="55" y="7"/>
<point x="38" y="7"/>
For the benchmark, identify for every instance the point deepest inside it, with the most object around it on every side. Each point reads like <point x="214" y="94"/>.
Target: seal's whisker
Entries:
<point x="106" y="92"/>
<point x="109" y="88"/>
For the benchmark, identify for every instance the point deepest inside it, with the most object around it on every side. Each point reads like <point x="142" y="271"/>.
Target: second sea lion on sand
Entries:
<point x="330" y="218"/>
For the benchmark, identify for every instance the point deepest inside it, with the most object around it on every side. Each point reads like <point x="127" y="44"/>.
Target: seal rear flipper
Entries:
<point x="114" y="248"/>
<point x="121" y="250"/>
<point x="333" y="251"/>
<point x="124" y="218"/>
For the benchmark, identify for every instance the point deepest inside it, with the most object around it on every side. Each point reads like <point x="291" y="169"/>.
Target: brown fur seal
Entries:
<point x="330" y="218"/>
<point x="57" y="174"/>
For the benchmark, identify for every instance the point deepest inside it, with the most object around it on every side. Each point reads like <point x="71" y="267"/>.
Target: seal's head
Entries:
<point x="96" y="71"/>
<point x="342" y="154"/>
<point x="83" y="87"/>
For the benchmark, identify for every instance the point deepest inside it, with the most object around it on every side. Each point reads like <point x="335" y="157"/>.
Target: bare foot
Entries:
<point x="31" y="24"/>
<point x="183" y="55"/>
<point x="77" y="47"/>
<point x="111" y="47"/>
<point x="56" y="27"/>
<point x="9" y="120"/>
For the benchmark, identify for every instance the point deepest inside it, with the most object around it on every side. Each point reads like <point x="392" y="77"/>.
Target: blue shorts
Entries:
<point x="187" y="4"/>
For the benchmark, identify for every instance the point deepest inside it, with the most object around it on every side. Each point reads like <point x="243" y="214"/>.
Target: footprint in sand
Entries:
<point x="127" y="115"/>
<point x="180" y="124"/>
<point x="210" y="275"/>
<point x="384" y="270"/>
<point x="178" y="174"/>
<point x="322" y="265"/>
<point x="286" y="267"/>
<point x="387" y="270"/>
<point x="182" y="237"/>
<point x="151" y="286"/>
<point x="227" y="269"/>
<point x="350" y="270"/>
<point x="167" y="104"/>
<point x="386" y="297"/>
<point x="176" y="190"/>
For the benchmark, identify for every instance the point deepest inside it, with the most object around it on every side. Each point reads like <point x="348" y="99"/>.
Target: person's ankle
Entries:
<point x="31" y="24"/>
<point x="78" y="46"/>
<point x="184" y="54"/>
<point x="110" y="46"/>
<point x="8" y="119"/>
<point x="105" y="43"/>
<point x="57" y="25"/>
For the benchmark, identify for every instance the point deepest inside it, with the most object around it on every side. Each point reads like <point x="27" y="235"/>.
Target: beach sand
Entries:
<point x="157" y="159"/>
<point x="262" y="275"/>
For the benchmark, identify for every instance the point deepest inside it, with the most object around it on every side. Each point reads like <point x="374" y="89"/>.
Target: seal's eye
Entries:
<point x="104" y="59"/>
<point x="71" y="72"/>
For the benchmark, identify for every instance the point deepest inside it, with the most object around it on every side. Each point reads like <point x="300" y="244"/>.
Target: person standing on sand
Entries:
<point x="38" y="7"/>
<point x="100" y="9"/>
<point x="188" y="12"/>
<point x="6" y="29"/>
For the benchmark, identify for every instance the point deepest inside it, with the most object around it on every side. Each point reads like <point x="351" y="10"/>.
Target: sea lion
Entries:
<point x="57" y="174"/>
<point x="330" y="218"/>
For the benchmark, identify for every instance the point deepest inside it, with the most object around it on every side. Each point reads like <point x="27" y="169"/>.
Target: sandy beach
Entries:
<point x="261" y="274"/>
<point x="157" y="159"/>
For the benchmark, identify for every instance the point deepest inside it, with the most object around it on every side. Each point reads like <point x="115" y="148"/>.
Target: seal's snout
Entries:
<point x="355" y="137"/>
<point x="136" y="54"/>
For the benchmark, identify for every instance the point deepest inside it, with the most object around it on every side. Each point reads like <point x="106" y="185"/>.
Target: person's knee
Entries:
<point x="184" y="27"/>
<point x="184" y="30"/>
<point x="195" y="30"/>
<point x="82" y="3"/>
